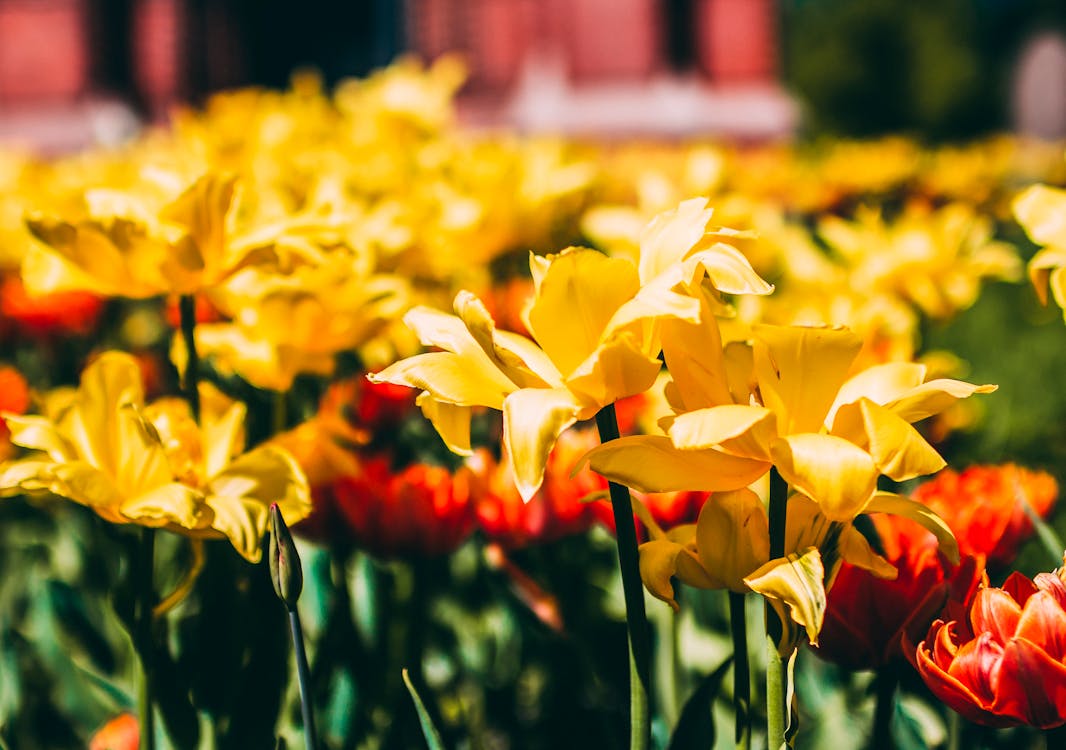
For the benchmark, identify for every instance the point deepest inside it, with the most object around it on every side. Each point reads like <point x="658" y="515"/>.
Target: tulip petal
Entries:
<point x="243" y="521"/>
<point x="1031" y="686"/>
<point x="267" y="474"/>
<point x="669" y="236"/>
<point x="521" y="360"/>
<point x="739" y="430"/>
<point x="956" y="694"/>
<point x="899" y="451"/>
<point x="933" y="397"/>
<point x="694" y="357"/>
<point x="856" y="550"/>
<point x="579" y="293"/>
<point x="796" y="580"/>
<point x="994" y="611"/>
<point x="887" y="502"/>
<point x="880" y="383"/>
<point x="170" y="503"/>
<point x="449" y="377"/>
<point x="616" y="369"/>
<point x="733" y="537"/>
<point x="532" y="420"/>
<point x="39" y="434"/>
<point x="1043" y="623"/>
<point x="651" y="463"/>
<point x="1041" y="210"/>
<point x="727" y="270"/>
<point x="836" y="474"/>
<point x="660" y="560"/>
<point x="452" y="422"/>
<point x="800" y="370"/>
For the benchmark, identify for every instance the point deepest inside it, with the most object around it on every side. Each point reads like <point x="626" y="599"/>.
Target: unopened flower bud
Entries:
<point x="285" y="569"/>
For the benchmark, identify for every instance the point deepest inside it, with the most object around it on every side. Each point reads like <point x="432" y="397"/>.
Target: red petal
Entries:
<point x="995" y="611"/>
<point x="953" y="692"/>
<point x="1019" y="587"/>
<point x="944" y="647"/>
<point x="976" y="666"/>
<point x="1031" y="686"/>
<point x="1043" y="623"/>
<point x="1054" y="585"/>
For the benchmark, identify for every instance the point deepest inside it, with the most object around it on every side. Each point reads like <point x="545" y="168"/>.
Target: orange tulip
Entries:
<point x="983" y="505"/>
<point x="1006" y="665"/>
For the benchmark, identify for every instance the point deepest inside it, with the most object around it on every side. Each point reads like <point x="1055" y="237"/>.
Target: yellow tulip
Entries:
<point x="284" y="325"/>
<point x="790" y="403"/>
<point x="152" y="464"/>
<point x="1041" y="210"/>
<point x="137" y="244"/>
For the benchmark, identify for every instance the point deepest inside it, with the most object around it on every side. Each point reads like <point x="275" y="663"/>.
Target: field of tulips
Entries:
<point x="329" y="423"/>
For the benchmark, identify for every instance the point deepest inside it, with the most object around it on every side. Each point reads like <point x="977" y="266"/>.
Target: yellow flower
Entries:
<point x="138" y="243"/>
<point x="152" y="464"/>
<point x="1041" y="210"/>
<point x="285" y="325"/>
<point x="589" y="351"/>
<point x="787" y="401"/>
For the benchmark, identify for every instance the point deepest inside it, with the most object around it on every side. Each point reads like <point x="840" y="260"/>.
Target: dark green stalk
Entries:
<point x="741" y="675"/>
<point x="776" y="710"/>
<point x="303" y="674"/>
<point x="954" y="730"/>
<point x="633" y="590"/>
<point x="286" y="573"/>
<point x="884" y="709"/>
<point x="145" y="598"/>
<point x="191" y="382"/>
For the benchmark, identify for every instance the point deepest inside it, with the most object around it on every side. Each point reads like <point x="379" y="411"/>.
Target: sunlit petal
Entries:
<point x="800" y="370"/>
<point x="532" y="419"/>
<point x="651" y="463"/>
<point x="836" y="474"/>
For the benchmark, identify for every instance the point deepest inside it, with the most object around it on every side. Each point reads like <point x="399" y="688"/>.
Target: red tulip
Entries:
<point x="983" y="506"/>
<point x="1005" y="664"/>
<point x="555" y="511"/>
<point x="417" y="511"/>
<point x="868" y="619"/>
<point x="70" y="312"/>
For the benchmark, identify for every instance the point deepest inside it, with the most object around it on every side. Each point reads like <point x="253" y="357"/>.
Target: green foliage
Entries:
<point x="865" y="67"/>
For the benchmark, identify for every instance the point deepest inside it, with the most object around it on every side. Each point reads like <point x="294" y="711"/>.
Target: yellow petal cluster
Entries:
<point x="151" y="464"/>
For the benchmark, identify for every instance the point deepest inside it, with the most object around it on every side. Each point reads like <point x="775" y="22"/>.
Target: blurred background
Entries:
<point x="78" y="71"/>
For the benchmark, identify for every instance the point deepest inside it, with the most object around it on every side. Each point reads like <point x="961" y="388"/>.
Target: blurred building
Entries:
<point x="561" y="64"/>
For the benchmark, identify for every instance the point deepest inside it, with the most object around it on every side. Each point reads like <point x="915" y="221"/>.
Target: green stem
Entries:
<point x="303" y="674"/>
<point x="885" y="708"/>
<point x="954" y="730"/>
<point x="741" y="675"/>
<point x="776" y="710"/>
<point x="1048" y="538"/>
<point x="775" y="692"/>
<point x="191" y="381"/>
<point x="143" y="642"/>
<point x="633" y="591"/>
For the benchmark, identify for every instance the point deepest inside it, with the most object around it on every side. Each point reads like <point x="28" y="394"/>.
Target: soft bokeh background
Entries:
<point x="77" y="71"/>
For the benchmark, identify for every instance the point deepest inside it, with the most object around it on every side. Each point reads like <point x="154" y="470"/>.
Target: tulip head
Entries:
<point x="285" y="569"/>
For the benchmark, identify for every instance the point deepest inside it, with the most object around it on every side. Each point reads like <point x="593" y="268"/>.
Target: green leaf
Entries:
<point x="433" y="740"/>
<point x="695" y="727"/>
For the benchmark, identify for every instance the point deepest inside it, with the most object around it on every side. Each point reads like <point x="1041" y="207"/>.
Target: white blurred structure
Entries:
<point x="1039" y="91"/>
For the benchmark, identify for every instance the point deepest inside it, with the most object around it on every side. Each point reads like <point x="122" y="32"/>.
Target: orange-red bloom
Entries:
<point x="983" y="506"/>
<point x="121" y="733"/>
<point x="69" y="312"/>
<point x="1006" y="665"/>
<point x="15" y="399"/>
<point x="868" y="620"/>
<point x="555" y="511"/>
<point x="417" y="511"/>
